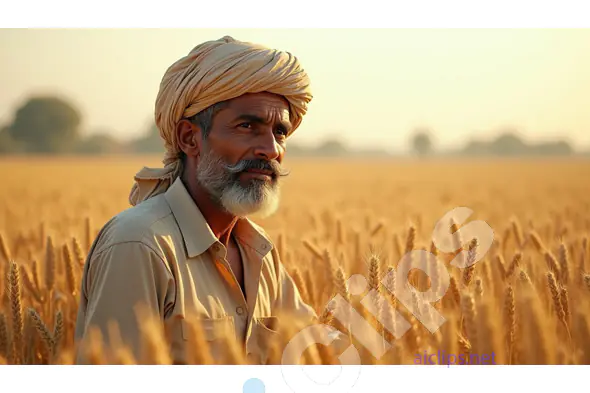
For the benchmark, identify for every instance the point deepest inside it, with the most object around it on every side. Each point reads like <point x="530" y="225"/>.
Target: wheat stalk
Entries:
<point x="88" y="233"/>
<point x="552" y="282"/>
<point x="524" y="277"/>
<point x="49" y="265"/>
<point x="513" y="265"/>
<point x="313" y="249"/>
<point x="557" y="302"/>
<point x="552" y="264"/>
<point x="300" y="284"/>
<point x="500" y="265"/>
<point x="43" y="331"/>
<point x="510" y="315"/>
<point x="410" y="239"/>
<point x="374" y="272"/>
<point x="471" y="256"/>
<point x="58" y="331"/>
<point x="30" y="286"/>
<point x="15" y="297"/>
<point x="36" y="279"/>
<point x="564" y="300"/>
<point x="4" y="339"/>
<point x="469" y="315"/>
<point x="454" y="288"/>
<point x="378" y="228"/>
<point x="537" y="242"/>
<point x="78" y="253"/>
<point x="517" y="232"/>
<point x="70" y="275"/>
<point x="478" y="287"/>
<point x="464" y="344"/>
<point x="563" y="263"/>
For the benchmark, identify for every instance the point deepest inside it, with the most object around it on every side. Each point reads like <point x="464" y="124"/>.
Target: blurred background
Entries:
<point x="395" y="92"/>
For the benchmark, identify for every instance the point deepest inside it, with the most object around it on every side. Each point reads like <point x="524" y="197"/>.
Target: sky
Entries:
<point x="371" y="88"/>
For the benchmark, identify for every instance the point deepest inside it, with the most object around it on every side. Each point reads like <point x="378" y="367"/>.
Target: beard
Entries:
<point x="239" y="197"/>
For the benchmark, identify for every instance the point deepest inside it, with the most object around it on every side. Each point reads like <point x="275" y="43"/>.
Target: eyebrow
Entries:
<point x="260" y="120"/>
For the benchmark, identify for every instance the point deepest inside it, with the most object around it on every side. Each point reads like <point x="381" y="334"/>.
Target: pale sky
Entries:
<point x="371" y="87"/>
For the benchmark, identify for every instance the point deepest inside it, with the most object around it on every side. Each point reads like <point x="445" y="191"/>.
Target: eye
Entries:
<point x="245" y="125"/>
<point x="282" y="131"/>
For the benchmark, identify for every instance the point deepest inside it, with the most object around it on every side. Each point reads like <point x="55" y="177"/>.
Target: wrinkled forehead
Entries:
<point x="262" y="104"/>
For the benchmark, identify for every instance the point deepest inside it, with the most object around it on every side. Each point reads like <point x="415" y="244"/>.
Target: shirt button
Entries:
<point x="264" y="246"/>
<point x="239" y="310"/>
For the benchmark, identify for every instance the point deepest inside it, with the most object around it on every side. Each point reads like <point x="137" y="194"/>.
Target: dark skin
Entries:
<point x="252" y="126"/>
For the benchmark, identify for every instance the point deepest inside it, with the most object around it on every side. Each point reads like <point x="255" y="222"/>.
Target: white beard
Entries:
<point x="259" y="198"/>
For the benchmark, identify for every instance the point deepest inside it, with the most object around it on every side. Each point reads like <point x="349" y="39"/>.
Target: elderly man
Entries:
<point x="186" y="247"/>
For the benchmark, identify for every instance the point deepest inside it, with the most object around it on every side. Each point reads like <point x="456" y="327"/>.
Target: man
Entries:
<point x="186" y="247"/>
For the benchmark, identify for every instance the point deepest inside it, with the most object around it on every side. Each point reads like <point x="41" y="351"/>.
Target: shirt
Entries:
<point x="162" y="254"/>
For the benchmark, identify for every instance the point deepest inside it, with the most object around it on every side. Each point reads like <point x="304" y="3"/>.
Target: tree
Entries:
<point x="7" y="144"/>
<point x="421" y="142"/>
<point x="331" y="147"/>
<point x="508" y="143"/>
<point x="99" y="143"/>
<point x="46" y="125"/>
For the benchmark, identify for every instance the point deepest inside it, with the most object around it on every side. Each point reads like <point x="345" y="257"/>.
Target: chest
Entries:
<point x="238" y="283"/>
<point x="208" y="291"/>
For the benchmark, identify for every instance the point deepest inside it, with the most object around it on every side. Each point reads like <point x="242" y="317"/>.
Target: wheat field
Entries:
<point x="527" y="300"/>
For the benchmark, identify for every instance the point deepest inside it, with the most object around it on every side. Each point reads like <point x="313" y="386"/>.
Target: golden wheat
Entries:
<point x="526" y="300"/>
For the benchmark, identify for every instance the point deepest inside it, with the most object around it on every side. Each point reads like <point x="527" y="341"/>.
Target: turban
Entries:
<point x="212" y="72"/>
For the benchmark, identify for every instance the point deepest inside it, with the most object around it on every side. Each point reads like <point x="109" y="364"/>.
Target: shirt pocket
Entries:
<point x="188" y="349"/>
<point x="264" y="344"/>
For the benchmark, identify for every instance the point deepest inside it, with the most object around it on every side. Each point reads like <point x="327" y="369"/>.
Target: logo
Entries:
<point x="420" y="303"/>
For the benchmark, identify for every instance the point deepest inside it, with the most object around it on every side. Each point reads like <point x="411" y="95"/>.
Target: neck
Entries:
<point x="220" y="221"/>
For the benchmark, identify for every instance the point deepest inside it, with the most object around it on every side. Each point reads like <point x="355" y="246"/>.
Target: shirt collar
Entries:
<point x="197" y="233"/>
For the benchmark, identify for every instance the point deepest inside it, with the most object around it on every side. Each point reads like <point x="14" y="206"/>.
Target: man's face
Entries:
<point x="240" y="160"/>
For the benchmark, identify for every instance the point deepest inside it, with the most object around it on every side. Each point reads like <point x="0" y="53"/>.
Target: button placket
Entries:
<point x="220" y="254"/>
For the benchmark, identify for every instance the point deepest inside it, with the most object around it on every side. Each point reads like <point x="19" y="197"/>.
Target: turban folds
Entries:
<point x="212" y="72"/>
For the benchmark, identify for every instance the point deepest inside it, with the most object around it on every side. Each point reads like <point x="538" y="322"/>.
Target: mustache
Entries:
<point x="273" y="166"/>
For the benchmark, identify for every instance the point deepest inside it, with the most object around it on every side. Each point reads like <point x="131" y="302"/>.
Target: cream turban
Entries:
<point x="216" y="71"/>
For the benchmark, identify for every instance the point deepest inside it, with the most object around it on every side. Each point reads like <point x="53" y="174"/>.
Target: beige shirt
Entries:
<point x="163" y="254"/>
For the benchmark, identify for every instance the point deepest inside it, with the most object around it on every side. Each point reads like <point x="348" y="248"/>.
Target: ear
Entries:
<point x="189" y="138"/>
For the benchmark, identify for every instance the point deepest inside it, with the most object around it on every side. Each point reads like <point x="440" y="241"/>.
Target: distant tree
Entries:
<point x="421" y="142"/>
<point x="295" y="150"/>
<point x="100" y="143"/>
<point x="508" y="143"/>
<point x="557" y="148"/>
<point x="331" y="147"/>
<point x="7" y="144"/>
<point x="475" y="148"/>
<point x="46" y="125"/>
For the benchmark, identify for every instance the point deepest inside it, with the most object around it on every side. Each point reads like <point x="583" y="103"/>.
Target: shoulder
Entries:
<point x="140" y="224"/>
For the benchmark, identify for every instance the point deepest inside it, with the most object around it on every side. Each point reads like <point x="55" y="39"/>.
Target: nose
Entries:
<point x="267" y="147"/>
